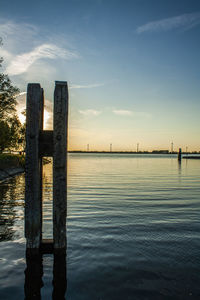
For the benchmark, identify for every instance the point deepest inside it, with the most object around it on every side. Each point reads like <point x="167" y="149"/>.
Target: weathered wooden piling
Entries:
<point x="33" y="193"/>
<point x="179" y="155"/>
<point x="40" y="143"/>
<point x="60" y="164"/>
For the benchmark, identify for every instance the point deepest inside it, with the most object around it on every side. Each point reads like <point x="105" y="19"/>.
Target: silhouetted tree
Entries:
<point x="9" y="122"/>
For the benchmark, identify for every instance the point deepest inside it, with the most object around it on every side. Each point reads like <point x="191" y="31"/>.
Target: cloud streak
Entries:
<point x="90" y="112"/>
<point x="21" y="63"/>
<point x="122" y="112"/>
<point x="89" y="86"/>
<point x="186" y="21"/>
<point x="11" y="28"/>
<point x="130" y="113"/>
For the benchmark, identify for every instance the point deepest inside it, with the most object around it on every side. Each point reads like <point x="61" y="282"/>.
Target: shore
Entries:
<point x="9" y="172"/>
<point x="11" y="165"/>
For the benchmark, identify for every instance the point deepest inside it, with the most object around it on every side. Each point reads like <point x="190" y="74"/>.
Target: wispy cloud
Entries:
<point x="122" y="112"/>
<point x="17" y="37"/>
<point x="88" y="86"/>
<point x="130" y="113"/>
<point x="185" y="21"/>
<point x="9" y="27"/>
<point x="21" y="63"/>
<point x="90" y="112"/>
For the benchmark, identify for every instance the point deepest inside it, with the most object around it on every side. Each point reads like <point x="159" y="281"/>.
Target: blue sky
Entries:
<point x="132" y="67"/>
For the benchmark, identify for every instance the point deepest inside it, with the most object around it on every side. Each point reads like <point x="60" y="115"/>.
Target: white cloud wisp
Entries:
<point x="89" y="86"/>
<point x="122" y="112"/>
<point x="90" y="112"/>
<point x="22" y="62"/>
<point x="186" y="21"/>
<point x="129" y="113"/>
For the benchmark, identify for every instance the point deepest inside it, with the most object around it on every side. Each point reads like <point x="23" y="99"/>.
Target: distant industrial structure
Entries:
<point x="172" y="147"/>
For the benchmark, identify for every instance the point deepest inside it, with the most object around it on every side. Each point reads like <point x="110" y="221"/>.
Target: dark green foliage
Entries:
<point x="10" y="126"/>
<point x="5" y="135"/>
<point x="8" y="94"/>
<point x="11" y="160"/>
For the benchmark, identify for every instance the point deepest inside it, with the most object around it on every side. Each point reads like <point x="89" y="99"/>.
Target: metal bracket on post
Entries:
<point x="40" y="143"/>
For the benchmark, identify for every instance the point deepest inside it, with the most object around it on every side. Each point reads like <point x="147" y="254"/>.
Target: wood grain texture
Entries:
<point x="60" y="164"/>
<point x="33" y="193"/>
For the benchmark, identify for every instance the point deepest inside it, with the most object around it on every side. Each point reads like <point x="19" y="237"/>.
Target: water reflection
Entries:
<point x="59" y="277"/>
<point x="179" y="167"/>
<point x="10" y="206"/>
<point x="33" y="277"/>
<point x="128" y="218"/>
<point x="34" y="274"/>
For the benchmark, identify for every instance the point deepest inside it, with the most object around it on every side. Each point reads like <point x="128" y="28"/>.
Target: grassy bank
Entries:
<point x="11" y="161"/>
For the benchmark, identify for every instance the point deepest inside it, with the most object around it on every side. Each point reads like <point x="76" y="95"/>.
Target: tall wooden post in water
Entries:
<point x="34" y="125"/>
<point x="179" y="155"/>
<point x="40" y="143"/>
<point x="60" y="164"/>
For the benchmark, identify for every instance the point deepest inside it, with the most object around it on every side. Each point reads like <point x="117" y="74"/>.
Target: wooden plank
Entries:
<point x="46" y="143"/>
<point x="34" y="119"/>
<point x="60" y="164"/>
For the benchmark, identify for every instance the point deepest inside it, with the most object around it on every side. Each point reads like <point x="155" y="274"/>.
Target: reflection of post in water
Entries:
<point x="59" y="277"/>
<point x="33" y="276"/>
<point x="179" y="167"/>
<point x="34" y="273"/>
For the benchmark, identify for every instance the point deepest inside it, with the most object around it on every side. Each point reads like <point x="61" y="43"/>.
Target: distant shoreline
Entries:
<point x="132" y="152"/>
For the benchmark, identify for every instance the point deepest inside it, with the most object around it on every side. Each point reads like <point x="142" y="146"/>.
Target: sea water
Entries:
<point x="132" y="229"/>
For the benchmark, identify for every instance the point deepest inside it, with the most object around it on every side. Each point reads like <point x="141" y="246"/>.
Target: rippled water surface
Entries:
<point x="132" y="229"/>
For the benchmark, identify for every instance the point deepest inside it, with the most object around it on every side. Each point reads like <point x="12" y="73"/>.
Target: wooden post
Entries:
<point x="41" y="143"/>
<point x="60" y="165"/>
<point x="33" y="193"/>
<point x="179" y="155"/>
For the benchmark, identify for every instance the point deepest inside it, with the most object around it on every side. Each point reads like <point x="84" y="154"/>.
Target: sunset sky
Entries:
<point x="133" y="67"/>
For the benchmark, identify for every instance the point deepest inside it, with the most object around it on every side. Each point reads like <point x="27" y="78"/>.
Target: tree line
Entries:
<point x="12" y="132"/>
